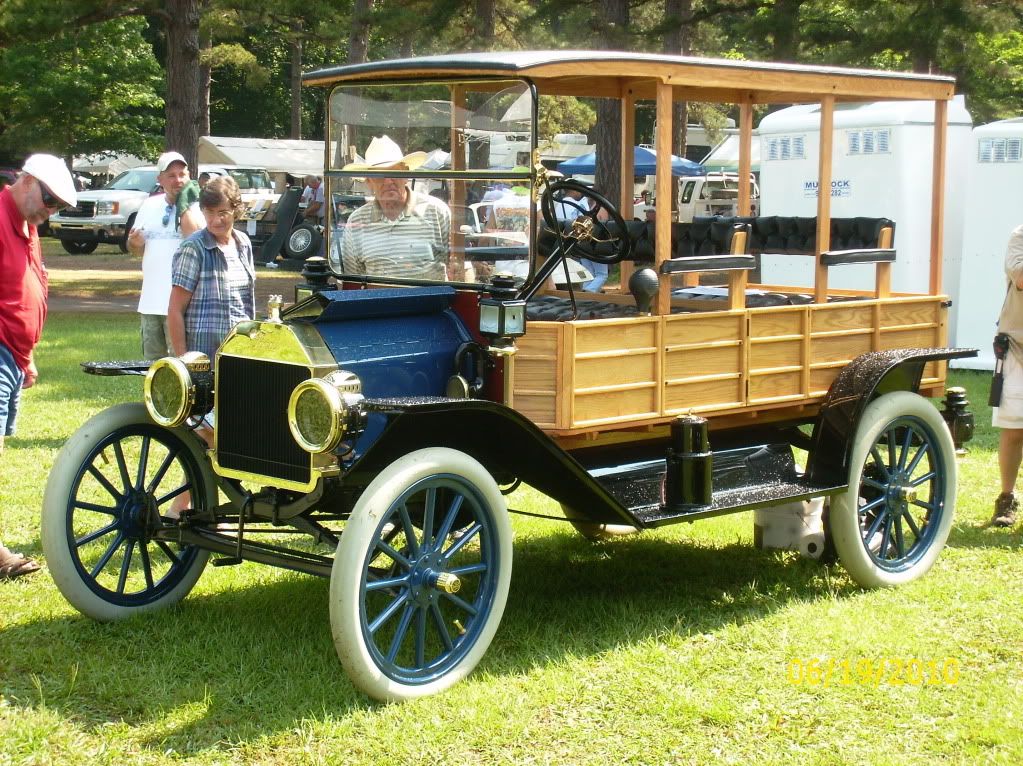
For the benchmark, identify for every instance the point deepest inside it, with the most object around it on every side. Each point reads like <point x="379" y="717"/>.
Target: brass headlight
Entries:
<point x="322" y="412"/>
<point x="178" y="387"/>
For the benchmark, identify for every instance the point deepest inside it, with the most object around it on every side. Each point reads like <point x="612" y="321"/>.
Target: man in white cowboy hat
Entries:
<point x="43" y="188"/>
<point x="401" y="233"/>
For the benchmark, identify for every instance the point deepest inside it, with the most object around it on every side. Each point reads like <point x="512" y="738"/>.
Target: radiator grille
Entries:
<point x="252" y="418"/>
<point x="85" y="209"/>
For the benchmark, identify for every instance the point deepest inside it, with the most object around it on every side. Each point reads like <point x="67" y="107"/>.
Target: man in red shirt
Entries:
<point x="44" y="187"/>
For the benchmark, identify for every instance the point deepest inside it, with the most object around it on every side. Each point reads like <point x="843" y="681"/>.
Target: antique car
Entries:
<point x="383" y="417"/>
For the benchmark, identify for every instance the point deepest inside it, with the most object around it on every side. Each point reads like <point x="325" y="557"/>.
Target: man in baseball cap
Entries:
<point x="155" y="235"/>
<point x="44" y="187"/>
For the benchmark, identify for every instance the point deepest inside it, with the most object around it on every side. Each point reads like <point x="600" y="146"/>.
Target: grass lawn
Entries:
<point x="672" y="647"/>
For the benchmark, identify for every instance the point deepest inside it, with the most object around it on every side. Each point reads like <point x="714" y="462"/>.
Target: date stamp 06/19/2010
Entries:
<point x="872" y="671"/>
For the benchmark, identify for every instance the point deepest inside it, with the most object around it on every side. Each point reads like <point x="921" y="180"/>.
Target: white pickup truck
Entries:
<point x="713" y="194"/>
<point x="105" y="216"/>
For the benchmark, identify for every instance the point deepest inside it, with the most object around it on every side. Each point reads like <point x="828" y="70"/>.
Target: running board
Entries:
<point x="734" y="501"/>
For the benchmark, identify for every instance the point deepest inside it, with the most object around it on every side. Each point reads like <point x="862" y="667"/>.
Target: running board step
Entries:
<point x="733" y="501"/>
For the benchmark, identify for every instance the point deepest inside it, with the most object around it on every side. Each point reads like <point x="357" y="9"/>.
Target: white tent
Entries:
<point x="108" y="163"/>
<point x="277" y="155"/>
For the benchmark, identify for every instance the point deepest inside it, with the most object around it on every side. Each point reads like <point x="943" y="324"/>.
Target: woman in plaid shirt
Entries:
<point x="214" y="278"/>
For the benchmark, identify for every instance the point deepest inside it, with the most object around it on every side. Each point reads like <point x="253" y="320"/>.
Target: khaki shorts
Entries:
<point x="1009" y="413"/>
<point x="155" y="338"/>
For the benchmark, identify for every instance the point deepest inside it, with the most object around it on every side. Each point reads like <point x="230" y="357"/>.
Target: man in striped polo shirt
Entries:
<point x="401" y="233"/>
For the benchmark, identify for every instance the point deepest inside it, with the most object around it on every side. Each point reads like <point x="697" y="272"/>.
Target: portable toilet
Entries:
<point x="882" y="161"/>
<point x="993" y="207"/>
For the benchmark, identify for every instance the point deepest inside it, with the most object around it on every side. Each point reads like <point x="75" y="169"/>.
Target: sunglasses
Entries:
<point x="51" y="200"/>
<point x="167" y="215"/>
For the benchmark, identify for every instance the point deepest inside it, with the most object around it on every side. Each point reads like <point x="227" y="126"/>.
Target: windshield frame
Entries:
<point x="332" y="177"/>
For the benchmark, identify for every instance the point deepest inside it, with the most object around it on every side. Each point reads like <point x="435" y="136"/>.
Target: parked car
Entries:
<point x="105" y="216"/>
<point x="384" y="418"/>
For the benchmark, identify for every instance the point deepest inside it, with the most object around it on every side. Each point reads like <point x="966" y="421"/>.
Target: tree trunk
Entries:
<point x="358" y="36"/>
<point x="184" y="91"/>
<point x="678" y="40"/>
<point x="205" y="81"/>
<point x="785" y="26"/>
<point x="611" y="26"/>
<point x="485" y="21"/>
<point x="295" y="79"/>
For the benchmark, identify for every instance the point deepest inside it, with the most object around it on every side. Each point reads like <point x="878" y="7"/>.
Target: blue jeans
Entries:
<point x="11" y="378"/>
<point x="599" y="272"/>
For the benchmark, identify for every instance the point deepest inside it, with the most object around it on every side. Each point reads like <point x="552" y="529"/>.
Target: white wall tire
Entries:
<point x="100" y="511"/>
<point x="593" y="530"/>
<point x="393" y="623"/>
<point x="892" y="523"/>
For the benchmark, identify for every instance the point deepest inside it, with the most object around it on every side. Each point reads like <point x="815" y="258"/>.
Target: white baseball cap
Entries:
<point x="53" y="173"/>
<point x="167" y="159"/>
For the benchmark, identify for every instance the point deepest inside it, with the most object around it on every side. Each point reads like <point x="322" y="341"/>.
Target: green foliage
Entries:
<point x="85" y="89"/>
<point x="565" y="115"/>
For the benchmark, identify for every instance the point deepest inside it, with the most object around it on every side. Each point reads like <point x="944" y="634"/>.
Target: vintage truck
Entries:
<point x="383" y="419"/>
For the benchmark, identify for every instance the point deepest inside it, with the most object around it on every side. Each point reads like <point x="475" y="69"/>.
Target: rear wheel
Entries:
<point x="78" y="248"/>
<point x="421" y="575"/>
<point x="892" y="522"/>
<point x="105" y="501"/>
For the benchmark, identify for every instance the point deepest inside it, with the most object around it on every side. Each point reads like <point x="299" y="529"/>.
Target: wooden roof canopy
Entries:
<point x="612" y="73"/>
<point x="631" y="77"/>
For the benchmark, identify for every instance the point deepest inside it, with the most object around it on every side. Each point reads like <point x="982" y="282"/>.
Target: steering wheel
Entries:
<point x="589" y="235"/>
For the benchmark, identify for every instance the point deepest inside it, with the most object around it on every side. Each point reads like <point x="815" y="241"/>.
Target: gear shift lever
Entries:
<point x="643" y="285"/>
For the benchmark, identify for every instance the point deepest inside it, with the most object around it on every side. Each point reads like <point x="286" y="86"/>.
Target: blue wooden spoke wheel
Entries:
<point x="421" y="575"/>
<point x="892" y="523"/>
<point x="107" y="496"/>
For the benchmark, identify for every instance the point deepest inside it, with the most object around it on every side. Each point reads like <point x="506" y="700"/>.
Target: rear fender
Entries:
<point x="864" y="379"/>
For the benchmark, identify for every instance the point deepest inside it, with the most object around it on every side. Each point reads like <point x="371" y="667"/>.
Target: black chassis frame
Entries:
<point x="755" y="463"/>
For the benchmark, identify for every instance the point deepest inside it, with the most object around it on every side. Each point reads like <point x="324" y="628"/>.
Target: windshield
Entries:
<point x="135" y="179"/>
<point x="251" y="179"/>
<point x="443" y="168"/>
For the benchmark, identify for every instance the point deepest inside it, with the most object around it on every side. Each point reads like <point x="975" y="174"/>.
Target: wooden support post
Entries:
<point x="737" y="279"/>
<point x="745" y="149"/>
<point x="626" y="204"/>
<point x="820" y="284"/>
<point x="883" y="274"/>
<point x="662" y="222"/>
<point x="938" y="193"/>
<point x="456" y="259"/>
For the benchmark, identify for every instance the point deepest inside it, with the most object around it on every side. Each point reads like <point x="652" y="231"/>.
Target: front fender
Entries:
<point x="865" y="378"/>
<point x="505" y="442"/>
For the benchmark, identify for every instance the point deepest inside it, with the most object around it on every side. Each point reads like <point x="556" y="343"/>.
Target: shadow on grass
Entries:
<point x="985" y="536"/>
<point x="255" y="660"/>
<point x="17" y="442"/>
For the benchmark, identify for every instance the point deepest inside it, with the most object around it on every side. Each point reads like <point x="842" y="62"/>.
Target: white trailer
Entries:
<point x="881" y="166"/>
<point x="993" y="208"/>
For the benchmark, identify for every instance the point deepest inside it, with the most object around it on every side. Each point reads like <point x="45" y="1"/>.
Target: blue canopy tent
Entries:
<point x="644" y="164"/>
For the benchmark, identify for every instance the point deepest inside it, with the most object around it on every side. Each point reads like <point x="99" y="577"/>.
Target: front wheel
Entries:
<point x="890" y="525"/>
<point x="421" y="575"/>
<point x="108" y="493"/>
